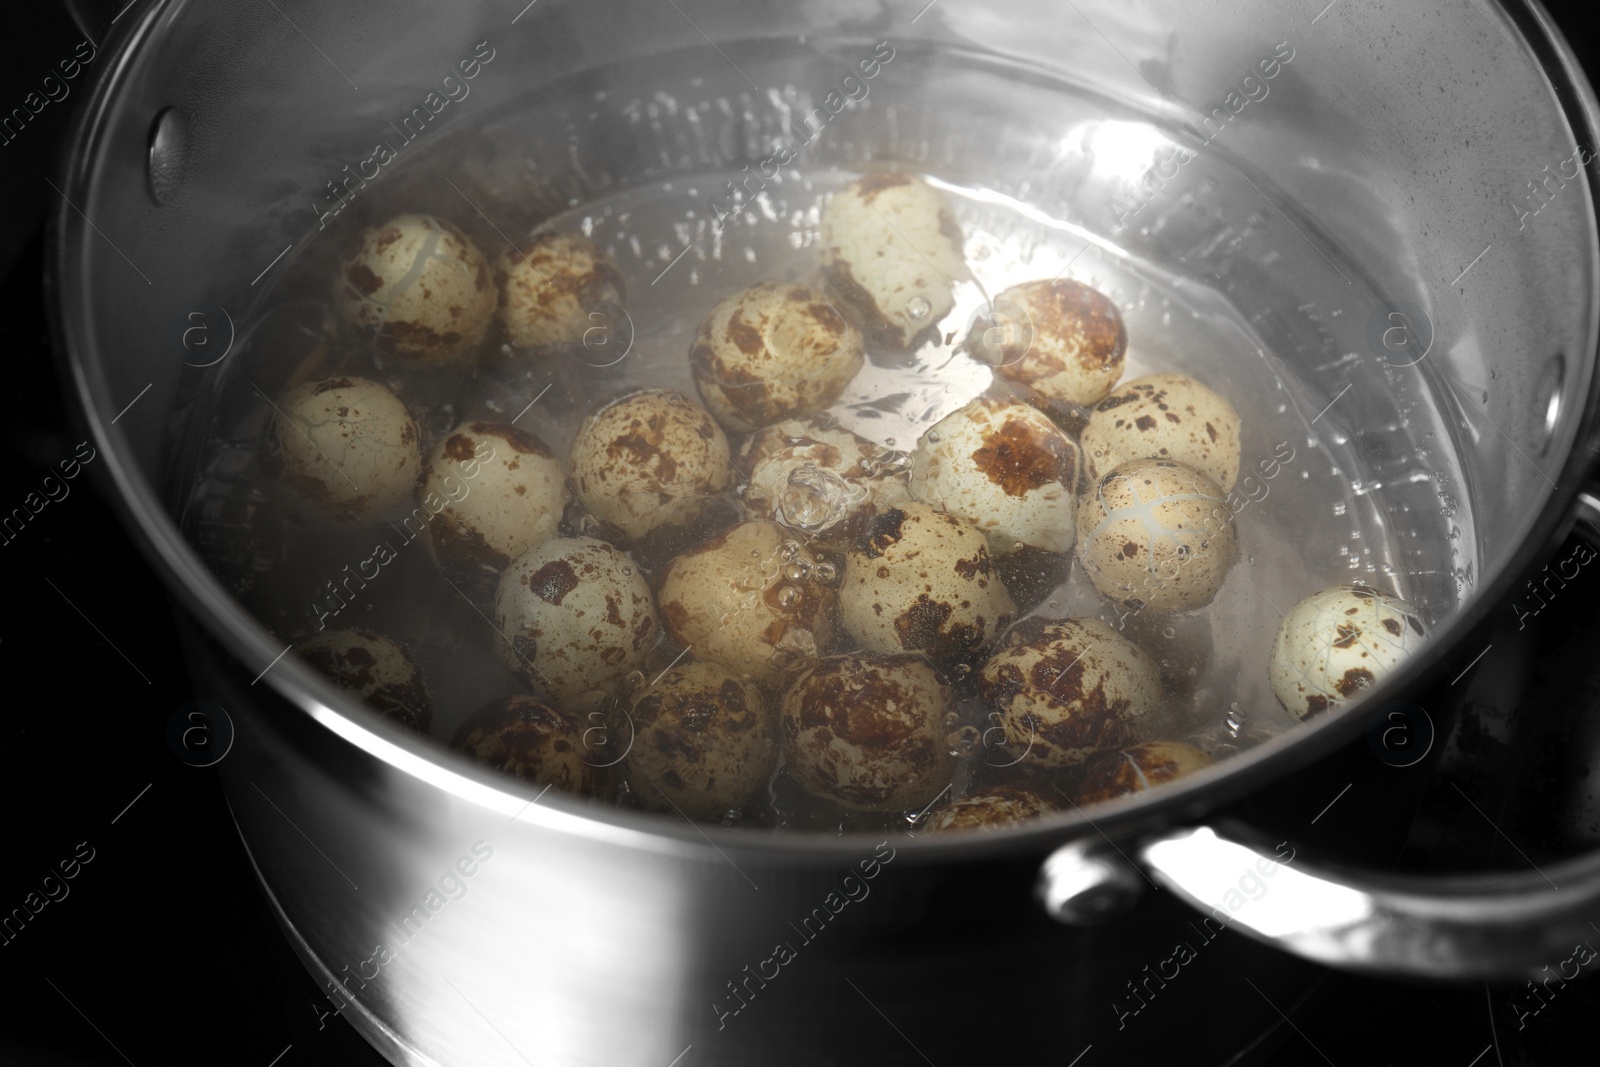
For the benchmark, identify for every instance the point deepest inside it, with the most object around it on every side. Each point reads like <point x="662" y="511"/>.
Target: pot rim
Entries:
<point x="228" y="622"/>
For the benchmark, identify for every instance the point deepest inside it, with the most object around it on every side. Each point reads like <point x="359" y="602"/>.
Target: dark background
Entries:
<point x="163" y="948"/>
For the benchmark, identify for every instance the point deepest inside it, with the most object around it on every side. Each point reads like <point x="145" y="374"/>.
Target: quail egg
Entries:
<point x="751" y="599"/>
<point x="1005" y="467"/>
<point x="703" y="741"/>
<point x="868" y="732"/>
<point x="418" y="289"/>
<point x="652" y="458"/>
<point x="994" y="809"/>
<point x="812" y="475"/>
<point x="503" y="492"/>
<point x="892" y="251"/>
<point x="1156" y="534"/>
<point x="376" y="669"/>
<point x="1067" y="688"/>
<point x="1138" y="768"/>
<point x="348" y="444"/>
<point x="920" y="580"/>
<point x="560" y="288"/>
<point x="773" y="351"/>
<point x="1060" y="338"/>
<point x="533" y="741"/>
<point x="576" y="616"/>
<point x="1335" y="644"/>
<point x="1165" y="416"/>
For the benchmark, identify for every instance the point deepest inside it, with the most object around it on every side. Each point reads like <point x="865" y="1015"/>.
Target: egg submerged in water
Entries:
<point x="868" y="732"/>
<point x="1334" y="645"/>
<point x="349" y="445"/>
<point x="920" y="580"/>
<point x="1005" y="467"/>
<point x="1156" y="535"/>
<point x="417" y="289"/>
<point x="576" y="617"/>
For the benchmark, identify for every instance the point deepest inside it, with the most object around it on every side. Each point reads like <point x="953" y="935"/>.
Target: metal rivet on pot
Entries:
<point x="1086" y="883"/>
<point x="1550" y="383"/>
<point x="169" y="154"/>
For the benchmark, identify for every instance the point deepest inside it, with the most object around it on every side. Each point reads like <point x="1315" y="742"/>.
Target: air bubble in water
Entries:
<point x="826" y="572"/>
<point x="635" y="679"/>
<point x="1234" y="721"/>
<point x="798" y="571"/>
<point x="788" y="597"/>
<point x="813" y="500"/>
<point x="962" y="742"/>
<point x="918" y="308"/>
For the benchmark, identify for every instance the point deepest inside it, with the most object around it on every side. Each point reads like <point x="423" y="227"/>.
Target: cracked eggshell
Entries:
<point x="349" y="445"/>
<point x="994" y="809"/>
<point x="1067" y="688"/>
<point x="417" y="288"/>
<point x="920" y="580"/>
<point x="891" y="250"/>
<point x="1156" y="534"/>
<point x="704" y="740"/>
<point x="652" y="458"/>
<point x="868" y="732"/>
<point x="811" y="475"/>
<point x="578" y="617"/>
<point x="1007" y="468"/>
<point x="1165" y="416"/>
<point x="533" y="741"/>
<point x="1335" y="644"/>
<point x="557" y="288"/>
<point x="1060" y="338"/>
<point x="773" y="351"/>
<point x="376" y="669"/>
<point x="747" y="598"/>
<point x="1138" y="768"/>
<point x="503" y="492"/>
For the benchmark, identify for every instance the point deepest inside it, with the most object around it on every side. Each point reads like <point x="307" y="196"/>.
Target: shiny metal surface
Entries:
<point x="585" y="935"/>
<point x="1462" y="926"/>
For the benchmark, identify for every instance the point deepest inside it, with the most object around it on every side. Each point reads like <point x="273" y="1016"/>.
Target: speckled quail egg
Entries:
<point x="920" y="580"/>
<point x="348" y="444"/>
<point x="1065" y="689"/>
<point x="773" y="351"/>
<point x="559" y="288"/>
<point x="577" y="617"/>
<point x="1335" y="644"/>
<point x="750" y="599"/>
<point x="703" y="741"/>
<point x="533" y="741"/>
<point x="652" y="458"/>
<point x="1005" y="467"/>
<point x="868" y="732"/>
<point x="376" y="669"/>
<point x="994" y="809"/>
<point x="812" y="475"/>
<point x="502" y="491"/>
<point x="1165" y="416"/>
<point x="1156" y="534"/>
<point x="1060" y="338"/>
<point x="892" y="251"/>
<point x="417" y="288"/>
<point x="1137" y="768"/>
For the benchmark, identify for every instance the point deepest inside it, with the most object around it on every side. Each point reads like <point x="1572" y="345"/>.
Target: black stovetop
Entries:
<point x="162" y="948"/>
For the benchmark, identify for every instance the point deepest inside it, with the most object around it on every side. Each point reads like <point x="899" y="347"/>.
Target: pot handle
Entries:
<point x="1501" y="925"/>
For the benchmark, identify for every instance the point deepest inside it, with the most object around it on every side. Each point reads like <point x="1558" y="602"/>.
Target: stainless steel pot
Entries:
<point x="457" y="918"/>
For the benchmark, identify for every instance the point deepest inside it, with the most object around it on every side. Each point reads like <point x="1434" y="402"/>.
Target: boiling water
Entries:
<point x="646" y="174"/>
